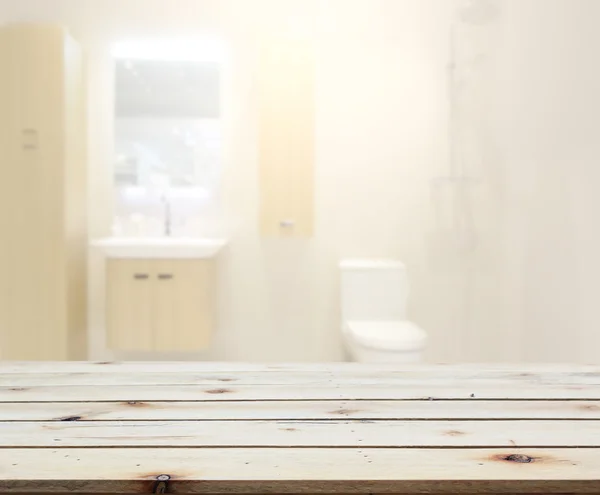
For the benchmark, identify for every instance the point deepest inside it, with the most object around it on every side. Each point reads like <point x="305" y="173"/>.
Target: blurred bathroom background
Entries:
<point x="458" y="136"/>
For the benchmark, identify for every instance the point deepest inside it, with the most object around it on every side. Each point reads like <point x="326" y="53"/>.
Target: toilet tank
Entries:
<point x="373" y="290"/>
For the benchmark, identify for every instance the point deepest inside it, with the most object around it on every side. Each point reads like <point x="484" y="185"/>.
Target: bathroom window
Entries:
<point x="168" y="137"/>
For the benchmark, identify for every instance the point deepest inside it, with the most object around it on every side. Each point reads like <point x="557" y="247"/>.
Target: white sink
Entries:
<point x="159" y="247"/>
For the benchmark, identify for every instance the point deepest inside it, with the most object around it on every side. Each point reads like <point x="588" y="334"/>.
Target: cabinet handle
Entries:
<point x="141" y="276"/>
<point x="30" y="139"/>
<point x="165" y="276"/>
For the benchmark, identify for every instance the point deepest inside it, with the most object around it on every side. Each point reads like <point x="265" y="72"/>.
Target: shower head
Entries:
<point x="479" y="12"/>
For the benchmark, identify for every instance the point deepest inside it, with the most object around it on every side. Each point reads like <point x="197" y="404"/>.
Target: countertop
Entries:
<point x="298" y="428"/>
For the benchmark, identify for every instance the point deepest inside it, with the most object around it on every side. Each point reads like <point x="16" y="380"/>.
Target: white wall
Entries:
<point x="549" y="128"/>
<point x="380" y="135"/>
<point x="524" y="291"/>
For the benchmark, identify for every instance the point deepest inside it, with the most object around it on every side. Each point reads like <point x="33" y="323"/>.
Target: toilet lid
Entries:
<point x="388" y="335"/>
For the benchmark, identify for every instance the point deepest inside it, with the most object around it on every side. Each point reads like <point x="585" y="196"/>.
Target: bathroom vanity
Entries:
<point x="160" y="293"/>
<point x="221" y="428"/>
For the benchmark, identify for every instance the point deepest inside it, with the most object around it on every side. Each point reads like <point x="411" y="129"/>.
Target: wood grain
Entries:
<point x="346" y="368"/>
<point x="303" y="433"/>
<point x="288" y="392"/>
<point x="294" y="428"/>
<point x="310" y="410"/>
<point x="350" y="377"/>
<point x="301" y="470"/>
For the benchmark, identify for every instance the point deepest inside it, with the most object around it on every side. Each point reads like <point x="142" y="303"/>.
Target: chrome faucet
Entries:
<point x="167" y="226"/>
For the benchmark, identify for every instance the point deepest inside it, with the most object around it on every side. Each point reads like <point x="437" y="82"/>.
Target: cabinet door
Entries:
<point x="286" y="137"/>
<point x="129" y="312"/>
<point x="34" y="322"/>
<point x="183" y="304"/>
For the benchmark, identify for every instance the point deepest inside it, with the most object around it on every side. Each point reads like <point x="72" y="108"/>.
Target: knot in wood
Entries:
<point x="519" y="458"/>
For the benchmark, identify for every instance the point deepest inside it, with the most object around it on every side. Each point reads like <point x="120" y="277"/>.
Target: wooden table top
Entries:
<point x="332" y="428"/>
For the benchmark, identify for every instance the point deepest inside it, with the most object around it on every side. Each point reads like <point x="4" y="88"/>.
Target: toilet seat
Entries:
<point x="387" y="335"/>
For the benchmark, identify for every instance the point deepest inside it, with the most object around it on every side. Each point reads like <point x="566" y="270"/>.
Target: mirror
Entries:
<point x="167" y="121"/>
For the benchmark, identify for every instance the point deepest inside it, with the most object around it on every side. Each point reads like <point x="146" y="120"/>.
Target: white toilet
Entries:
<point x="374" y="294"/>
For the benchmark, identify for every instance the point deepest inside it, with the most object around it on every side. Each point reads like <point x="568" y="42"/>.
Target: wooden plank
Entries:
<point x="240" y="367"/>
<point x="301" y="470"/>
<point x="227" y="392"/>
<point x="335" y="434"/>
<point x="317" y="410"/>
<point x="399" y="378"/>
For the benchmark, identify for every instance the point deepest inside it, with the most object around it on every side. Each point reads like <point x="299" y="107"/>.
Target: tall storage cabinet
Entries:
<point x="287" y="137"/>
<point x="43" y="235"/>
